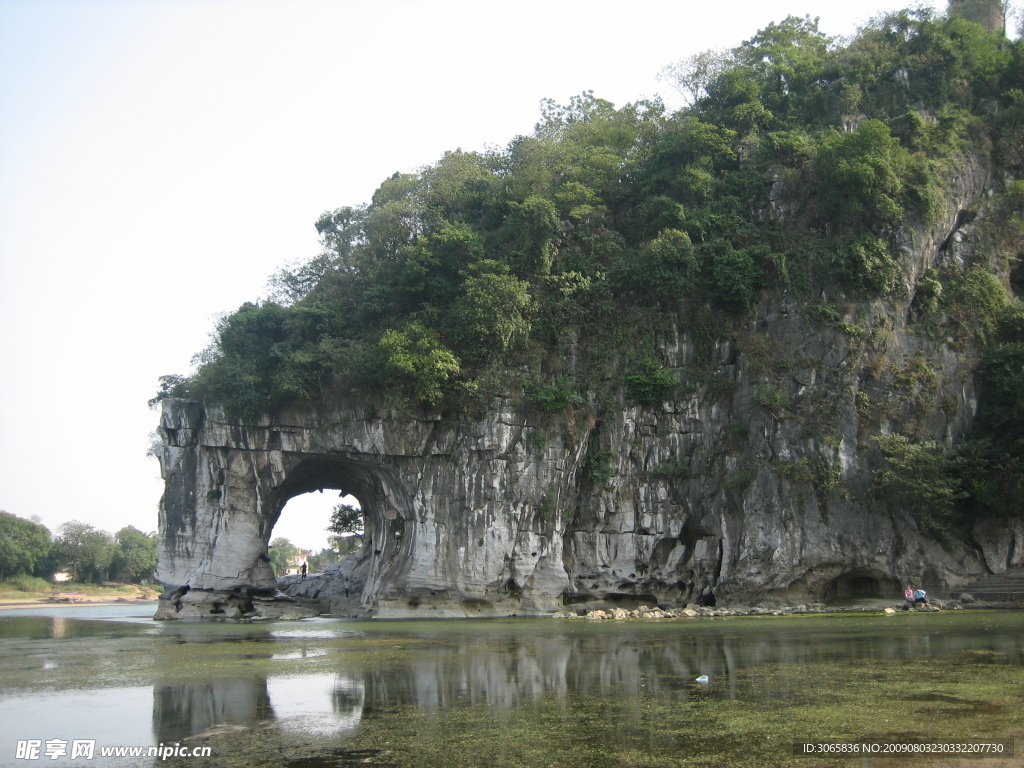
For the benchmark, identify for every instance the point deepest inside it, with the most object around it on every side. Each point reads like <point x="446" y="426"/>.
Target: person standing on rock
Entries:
<point x="303" y="570"/>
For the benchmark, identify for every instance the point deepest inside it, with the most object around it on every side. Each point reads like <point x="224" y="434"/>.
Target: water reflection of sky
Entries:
<point x="165" y="714"/>
<point x="141" y="611"/>
<point x="333" y="673"/>
<point x="112" y="716"/>
<point x="317" y="704"/>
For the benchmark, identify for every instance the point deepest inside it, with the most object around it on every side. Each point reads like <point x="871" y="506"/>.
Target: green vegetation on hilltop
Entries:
<point x="799" y="165"/>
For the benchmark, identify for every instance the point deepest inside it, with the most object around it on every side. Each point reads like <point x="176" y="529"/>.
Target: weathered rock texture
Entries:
<point x="991" y="14"/>
<point x="757" y="483"/>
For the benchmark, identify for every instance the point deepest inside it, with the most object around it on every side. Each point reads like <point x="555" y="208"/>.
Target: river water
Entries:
<point x="326" y="692"/>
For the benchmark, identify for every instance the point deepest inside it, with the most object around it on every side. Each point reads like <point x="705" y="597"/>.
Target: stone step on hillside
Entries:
<point x="1008" y="585"/>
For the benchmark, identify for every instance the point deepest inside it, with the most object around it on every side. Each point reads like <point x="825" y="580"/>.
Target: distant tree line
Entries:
<point x="86" y="553"/>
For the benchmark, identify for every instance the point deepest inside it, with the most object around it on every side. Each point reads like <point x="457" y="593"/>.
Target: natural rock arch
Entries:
<point x="503" y="513"/>
<point x="438" y="537"/>
<point x="513" y="511"/>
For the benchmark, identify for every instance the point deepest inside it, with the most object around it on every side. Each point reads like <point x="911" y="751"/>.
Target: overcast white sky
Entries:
<point x="159" y="159"/>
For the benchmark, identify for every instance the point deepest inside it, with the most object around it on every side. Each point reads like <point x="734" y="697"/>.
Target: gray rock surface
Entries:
<point x="239" y="604"/>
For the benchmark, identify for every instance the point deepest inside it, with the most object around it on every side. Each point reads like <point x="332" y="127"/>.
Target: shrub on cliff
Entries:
<point x="999" y="428"/>
<point x="412" y="365"/>
<point x="491" y="314"/>
<point x="862" y="178"/>
<point x="650" y="384"/>
<point x="923" y="477"/>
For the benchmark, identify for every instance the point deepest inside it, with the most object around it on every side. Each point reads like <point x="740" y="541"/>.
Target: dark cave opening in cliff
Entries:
<point x="1017" y="278"/>
<point x="861" y="583"/>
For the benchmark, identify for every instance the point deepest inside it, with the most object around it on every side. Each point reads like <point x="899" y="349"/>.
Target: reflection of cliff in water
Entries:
<point x="188" y="709"/>
<point x="320" y="704"/>
<point x="516" y="669"/>
<point x="501" y="666"/>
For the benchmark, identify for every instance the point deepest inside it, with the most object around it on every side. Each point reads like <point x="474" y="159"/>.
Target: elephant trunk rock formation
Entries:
<point x="756" y="480"/>
<point x="455" y="514"/>
<point x="504" y="515"/>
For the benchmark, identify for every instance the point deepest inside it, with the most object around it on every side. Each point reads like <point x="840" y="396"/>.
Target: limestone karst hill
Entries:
<point x="768" y="345"/>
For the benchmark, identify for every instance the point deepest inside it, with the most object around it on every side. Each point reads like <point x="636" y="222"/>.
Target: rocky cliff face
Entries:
<point x="758" y="482"/>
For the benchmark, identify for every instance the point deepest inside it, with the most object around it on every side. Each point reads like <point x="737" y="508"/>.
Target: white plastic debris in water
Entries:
<point x="703" y="679"/>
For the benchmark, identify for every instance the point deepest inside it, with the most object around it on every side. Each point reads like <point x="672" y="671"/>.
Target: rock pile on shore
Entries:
<point x="647" y="612"/>
<point x="775" y="609"/>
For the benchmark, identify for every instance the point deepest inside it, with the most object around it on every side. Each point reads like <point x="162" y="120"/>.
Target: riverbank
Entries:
<point x="591" y="612"/>
<point x="40" y="594"/>
<point x="775" y="608"/>
<point x="6" y="605"/>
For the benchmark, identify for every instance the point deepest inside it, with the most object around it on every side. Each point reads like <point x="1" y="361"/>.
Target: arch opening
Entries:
<point x="303" y="533"/>
<point x="376" y="514"/>
<point x="320" y="487"/>
<point x="337" y="482"/>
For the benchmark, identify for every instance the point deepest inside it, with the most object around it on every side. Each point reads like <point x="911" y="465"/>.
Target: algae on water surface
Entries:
<point x="527" y="692"/>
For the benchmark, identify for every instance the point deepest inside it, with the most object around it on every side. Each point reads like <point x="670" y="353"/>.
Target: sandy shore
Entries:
<point x="9" y="604"/>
